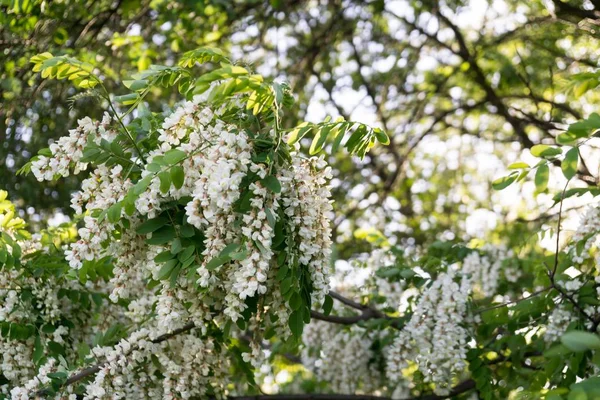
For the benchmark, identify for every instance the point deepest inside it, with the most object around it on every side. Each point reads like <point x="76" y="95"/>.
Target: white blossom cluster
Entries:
<point x="220" y="157"/>
<point x="346" y="357"/>
<point x="191" y="367"/>
<point x="342" y="357"/>
<point x="38" y="382"/>
<point x="68" y="151"/>
<point x="558" y="322"/>
<point x="102" y="189"/>
<point x="435" y="339"/>
<point x="47" y="304"/>
<point x="586" y="236"/>
<point x="364" y="271"/>
<point x="485" y="269"/>
<point x="305" y="199"/>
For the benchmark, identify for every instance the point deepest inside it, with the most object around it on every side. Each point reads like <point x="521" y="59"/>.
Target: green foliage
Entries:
<point x="359" y="137"/>
<point x="64" y="67"/>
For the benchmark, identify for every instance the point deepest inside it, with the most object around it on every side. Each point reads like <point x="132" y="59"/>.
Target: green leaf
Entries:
<point x="187" y="231"/>
<point x="296" y="301"/>
<point x="582" y="129"/>
<point x="61" y="376"/>
<point x="38" y="350"/>
<point x="127" y="99"/>
<point x="299" y="132"/>
<point x="201" y="56"/>
<point x="356" y="138"/>
<point x="239" y="255"/>
<point x="558" y="350"/>
<point x="142" y="185"/>
<point x="338" y="133"/>
<point x="272" y="183"/>
<point x="153" y="167"/>
<point x="173" y="156"/>
<point x="114" y="212"/>
<point x="542" y="175"/>
<point x="580" y="341"/>
<point x="165" y="181"/>
<point x="543" y="150"/>
<point x="151" y="225"/>
<point x="381" y="136"/>
<point x="176" y="246"/>
<point x="570" y="163"/>
<point x="518" y="165"/>
<point x="504" y="182"/>
<point x="230" y="248"/>
<point x="187" y="253"/>
<point x="217" y="262"/>
<point x="177" y="176"/>
<point x="296" y="323"/>
<point x="164" y="256"/>
<point x="319" y="140"/>
<point x="135" y="85"/>
<point x="286" y="284"/>
<point x="167" y="268"/>
<point x="162" y="236"/>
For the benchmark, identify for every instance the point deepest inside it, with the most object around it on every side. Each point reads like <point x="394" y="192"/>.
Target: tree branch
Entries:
<point x="84" y="373"/>
<point x="518" y="125"/>
<point x="367" y="312"/>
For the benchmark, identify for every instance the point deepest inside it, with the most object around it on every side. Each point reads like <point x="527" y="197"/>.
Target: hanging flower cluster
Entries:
<point x="344" y="358"/>
<point x="435" y="339"/>
<point x="38" y="304"/>
<point x="193" y="366"/>
<point x="486" y="268"/>
<point x="66" y="154"/>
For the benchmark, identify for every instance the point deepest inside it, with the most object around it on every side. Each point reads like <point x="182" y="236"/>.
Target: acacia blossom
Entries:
<point x="68" y="151"/>
<point x="435" y="338"/>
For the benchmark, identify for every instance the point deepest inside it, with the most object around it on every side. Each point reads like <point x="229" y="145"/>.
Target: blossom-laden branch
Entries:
<point x="367" y="313"/>
<point x="96" y="368"/>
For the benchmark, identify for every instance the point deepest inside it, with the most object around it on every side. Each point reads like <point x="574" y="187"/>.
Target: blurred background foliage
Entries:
<point x="462" y="88"/>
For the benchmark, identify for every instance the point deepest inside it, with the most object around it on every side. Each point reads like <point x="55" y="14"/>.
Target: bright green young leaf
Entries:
<point x="504" y="182"/>
<point x="543" y="150"/>
<point x="542" y="175"/>
<point x="518" y="165"/>
<point x="570" y="162"/>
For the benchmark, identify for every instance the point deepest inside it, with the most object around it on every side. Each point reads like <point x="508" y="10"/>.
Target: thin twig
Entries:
<point x="480" y="311"/>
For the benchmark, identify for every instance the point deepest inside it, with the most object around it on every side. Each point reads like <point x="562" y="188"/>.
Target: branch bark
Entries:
<point x="519" y="126"/>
